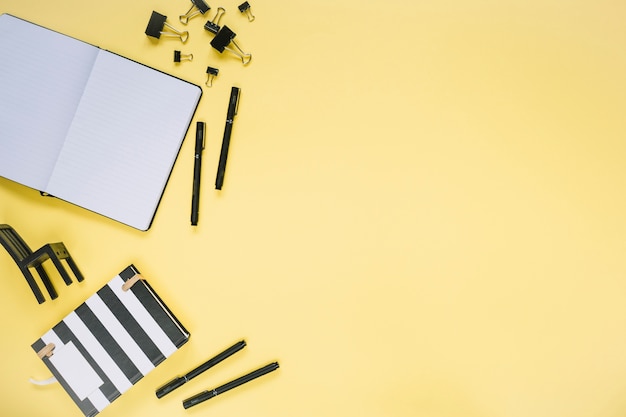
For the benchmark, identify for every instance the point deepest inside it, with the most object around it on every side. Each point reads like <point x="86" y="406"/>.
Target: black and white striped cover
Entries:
<point x="111" y="341"/>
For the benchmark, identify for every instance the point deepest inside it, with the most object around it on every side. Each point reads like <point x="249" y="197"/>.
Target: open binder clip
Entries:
<point x="179" y="57"/>
<point x="213" y="26"/>
<point x="245" y="9"/>
<point x="197" y="7"/>
<point x="224" y="38"/>
<point x="157" y="27"/>
<point x="211" y="74"/>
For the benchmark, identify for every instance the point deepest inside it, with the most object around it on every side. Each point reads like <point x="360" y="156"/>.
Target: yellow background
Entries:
<point x="424" y="212"/>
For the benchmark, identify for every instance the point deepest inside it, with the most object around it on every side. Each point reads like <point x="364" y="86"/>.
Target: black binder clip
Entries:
<point x="245" y="9"/>
<point x="197" y="7"/>
<point x="179" y="57"/>
<point x="213" y="26"/>
<point x="157" y="27"/>
<point x="225" y="37"/>
<point x="211" y="74"/>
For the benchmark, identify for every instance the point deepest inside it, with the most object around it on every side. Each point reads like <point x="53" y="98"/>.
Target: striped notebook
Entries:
<point x="111" y="341"/>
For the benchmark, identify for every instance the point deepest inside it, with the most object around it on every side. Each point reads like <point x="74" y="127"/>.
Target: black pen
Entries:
<point x="233" y="105"/>
<point x="180" y="380"/>
<point x="206" y="395"/>
<point x="197" y="165"/>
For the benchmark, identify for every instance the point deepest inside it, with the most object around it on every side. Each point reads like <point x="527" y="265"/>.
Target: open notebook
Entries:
<point x="111" y="341"/>
<point x="86" y="125"/>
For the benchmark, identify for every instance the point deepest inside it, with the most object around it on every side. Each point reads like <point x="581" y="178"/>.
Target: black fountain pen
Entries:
<point x="233" y="105"/>
<point x="197" y="165"/>
<point x="181" y="380"/>
<point x="208" y="394"/>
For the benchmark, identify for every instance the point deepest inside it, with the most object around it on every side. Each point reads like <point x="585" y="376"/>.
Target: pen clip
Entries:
<point x="237" y="102"/>
<point x="200" y="126"/>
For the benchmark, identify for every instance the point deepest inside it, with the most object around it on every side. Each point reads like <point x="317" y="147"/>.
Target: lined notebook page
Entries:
<point x="42" y="77"/>
<point x="124" y="139"/>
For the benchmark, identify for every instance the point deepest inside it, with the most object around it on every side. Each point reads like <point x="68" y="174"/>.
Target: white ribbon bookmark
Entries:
<point x="43" y="382"/>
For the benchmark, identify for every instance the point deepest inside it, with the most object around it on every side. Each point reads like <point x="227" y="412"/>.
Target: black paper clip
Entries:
<point x="245" y="9"/>
<point x="157" y="27"/>
<point x="197" y="7"/>
<point x="225" y="37"/>
<point x="211" y="74"/>
<point x="213" y="26"/>
<point x="179" y="57"/>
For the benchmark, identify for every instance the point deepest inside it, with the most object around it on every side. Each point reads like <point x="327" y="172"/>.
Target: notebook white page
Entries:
<point x="42" y="77"/>
<point x="76" y="371"/>
<point x="124" y="140"/>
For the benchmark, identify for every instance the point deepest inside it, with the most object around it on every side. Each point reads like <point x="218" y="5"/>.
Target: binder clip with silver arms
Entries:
<point x="211" y="74"/>
<point x="179" y="57"/>
<point x="197" y="7"/>
<point x="157" y="27"/>
<point x="224" y="38"/>
<point x="213" y="26"/>
<point x="245" y="9"/>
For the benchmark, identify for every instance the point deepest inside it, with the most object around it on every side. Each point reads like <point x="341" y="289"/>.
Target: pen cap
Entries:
<point x="170" y="386"/>
<point x="199" y="137"/>
<point x="198" y="398"/>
